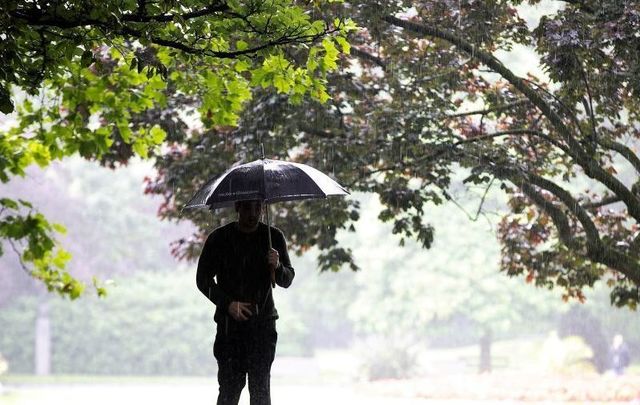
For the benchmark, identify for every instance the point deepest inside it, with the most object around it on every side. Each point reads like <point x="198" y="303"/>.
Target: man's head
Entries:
<point x="617" y="341"/>
<point x="249" y="213"/>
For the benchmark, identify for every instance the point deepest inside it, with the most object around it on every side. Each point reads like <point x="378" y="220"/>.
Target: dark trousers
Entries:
<point x="245" y="349"/>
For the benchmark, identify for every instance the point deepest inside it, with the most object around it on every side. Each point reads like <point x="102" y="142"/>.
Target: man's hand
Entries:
<point x="273" y="261"/>
<point x="240" y="311"/>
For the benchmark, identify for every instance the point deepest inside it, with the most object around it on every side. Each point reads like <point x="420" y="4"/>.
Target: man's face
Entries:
<point x="249" y="213"/>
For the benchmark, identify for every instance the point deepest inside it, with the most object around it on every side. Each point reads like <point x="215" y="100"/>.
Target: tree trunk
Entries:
<point x="485" y="352"/>
<point x="42" y="350"/>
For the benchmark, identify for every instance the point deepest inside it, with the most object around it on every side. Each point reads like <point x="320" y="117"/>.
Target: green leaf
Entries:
<point x="282" y="84"/>
<point x="61" y="258"/>
<point x="59" y="228"/>
<point x="77" y="289"/>
<point x="25" y="203"/>
<point x="331" y="54"/>
<point x="157" y="134"/>
<point x="241" y="65"/>
<point x="140" y="148"/>
<point x="312" y="60"/>
<point x="8" y="203"/>
<point x="124" y="131"/>
<point x="344" y="44"/>
<point x="39" y="153"/>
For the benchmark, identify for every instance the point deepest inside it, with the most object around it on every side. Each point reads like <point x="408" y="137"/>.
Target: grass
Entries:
<point x="318" y="378"/>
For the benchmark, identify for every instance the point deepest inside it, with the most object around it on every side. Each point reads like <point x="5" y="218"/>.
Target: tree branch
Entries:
<point x="625" y="151"/>
<point x="19" y="256"/>
<point x="367" y="56"/>
<point x="558" y="217"/>
<point x="211" y="9"/>
<point x="42" y="19"/>
<point x="499" y="108"/>
<point x="283" y="40"/>
<point x="515" y="132"/>
<point x="593" y="236"/>
<point x="601" y="203"/>
<point x="482" y="200"/>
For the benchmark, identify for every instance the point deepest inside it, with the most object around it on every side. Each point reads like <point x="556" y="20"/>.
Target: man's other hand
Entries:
<point x="273" y="260"/>
<point x="240" y="311"/>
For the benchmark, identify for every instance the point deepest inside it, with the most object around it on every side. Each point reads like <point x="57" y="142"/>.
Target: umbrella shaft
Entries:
<point x="266" y="208"/>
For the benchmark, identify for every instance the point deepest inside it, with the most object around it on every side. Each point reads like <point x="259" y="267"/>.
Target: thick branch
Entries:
<point x="601" y="203"/>
<point x="625" y="151"/>
<point x="625" y="264"/>
<point x="593" y="236"/>
<point x="558" y="217"/>
<point x="590" y="166"/>
<point x="197" y="51"/>
<point x="283" y="40"/>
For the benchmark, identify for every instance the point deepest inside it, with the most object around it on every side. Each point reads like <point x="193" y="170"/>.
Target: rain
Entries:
<point x="380" y="202"/>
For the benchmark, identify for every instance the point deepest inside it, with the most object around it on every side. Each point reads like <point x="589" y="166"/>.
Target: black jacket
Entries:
<point x="233" y="267"/>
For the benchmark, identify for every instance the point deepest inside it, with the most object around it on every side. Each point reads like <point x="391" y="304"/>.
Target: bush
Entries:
<point x="387" y="358"/>
<point x="4" y="366"/>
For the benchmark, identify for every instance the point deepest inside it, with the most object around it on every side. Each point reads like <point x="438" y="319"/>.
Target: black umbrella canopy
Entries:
<point x="266" y="180"/>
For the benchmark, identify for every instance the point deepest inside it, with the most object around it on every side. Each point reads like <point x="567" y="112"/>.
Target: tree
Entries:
<point x="93" y="71"/>
<point x="424" y="95"/>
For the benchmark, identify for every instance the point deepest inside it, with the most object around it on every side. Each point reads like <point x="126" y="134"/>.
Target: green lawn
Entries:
<point x="521" y="374"/>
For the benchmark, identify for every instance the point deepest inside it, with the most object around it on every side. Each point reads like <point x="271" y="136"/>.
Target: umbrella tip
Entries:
<point x="262" y="149"/>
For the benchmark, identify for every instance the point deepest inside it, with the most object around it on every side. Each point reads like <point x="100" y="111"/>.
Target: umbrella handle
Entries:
<point x="273" y="283"/>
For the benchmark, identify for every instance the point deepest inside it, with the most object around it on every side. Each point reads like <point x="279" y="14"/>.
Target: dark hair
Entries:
<point x="238" y="204"/>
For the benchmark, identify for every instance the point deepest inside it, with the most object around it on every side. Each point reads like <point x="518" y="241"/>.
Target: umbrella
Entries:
<point x="266" y="180"/>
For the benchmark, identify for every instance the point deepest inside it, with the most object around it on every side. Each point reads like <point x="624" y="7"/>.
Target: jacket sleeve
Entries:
<point x="284" y="272"/>
<point x="208" y="267"/>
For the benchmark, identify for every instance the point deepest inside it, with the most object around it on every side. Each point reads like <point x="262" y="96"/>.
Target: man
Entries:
<point x="237" y="255"/>
<point x="619" y="353"/>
